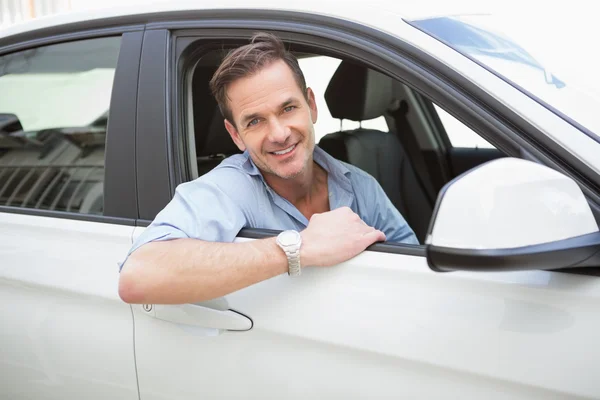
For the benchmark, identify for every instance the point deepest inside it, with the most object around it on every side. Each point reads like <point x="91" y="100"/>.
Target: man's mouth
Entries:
<point x="284" y="151"/>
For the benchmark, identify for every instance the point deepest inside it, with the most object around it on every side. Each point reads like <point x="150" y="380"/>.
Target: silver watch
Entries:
<point x="290" y="242"/>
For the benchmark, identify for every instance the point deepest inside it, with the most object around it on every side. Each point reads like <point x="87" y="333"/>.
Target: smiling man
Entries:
<point x="328" y="211"/>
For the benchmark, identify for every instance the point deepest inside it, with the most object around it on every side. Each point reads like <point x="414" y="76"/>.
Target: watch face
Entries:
<point x="288" y="238"/>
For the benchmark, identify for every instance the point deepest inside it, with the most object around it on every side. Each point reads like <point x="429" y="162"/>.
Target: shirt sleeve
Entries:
<point x="386" y="218"/>
<point x="199" y="210"/>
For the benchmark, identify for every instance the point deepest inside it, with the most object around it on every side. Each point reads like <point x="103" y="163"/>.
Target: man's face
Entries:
<point x="273" y="120"/>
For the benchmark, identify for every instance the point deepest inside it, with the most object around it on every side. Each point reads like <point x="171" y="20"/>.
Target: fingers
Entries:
<point x="373" y="236"/>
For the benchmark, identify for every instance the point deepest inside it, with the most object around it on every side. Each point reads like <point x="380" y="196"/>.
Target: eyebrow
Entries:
<point x="250" y="117"/>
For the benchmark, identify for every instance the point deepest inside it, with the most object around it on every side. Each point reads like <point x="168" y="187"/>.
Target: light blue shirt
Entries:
<point x="234" y="195"/>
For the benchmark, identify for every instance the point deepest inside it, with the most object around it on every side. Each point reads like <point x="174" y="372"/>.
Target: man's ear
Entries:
<point x="312" y="104"/>
<point x="235" y="135"/>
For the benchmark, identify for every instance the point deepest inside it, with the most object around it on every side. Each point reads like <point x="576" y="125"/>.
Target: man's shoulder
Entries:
<point x="237" y="161"/>
<point x="230" y="176"/>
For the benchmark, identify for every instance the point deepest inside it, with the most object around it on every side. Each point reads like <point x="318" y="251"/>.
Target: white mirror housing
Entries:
<point x="508" y="203"/>
<point x="509" y="215"/>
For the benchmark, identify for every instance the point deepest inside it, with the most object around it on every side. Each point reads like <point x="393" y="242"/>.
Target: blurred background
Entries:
<point x="13" y="11"/>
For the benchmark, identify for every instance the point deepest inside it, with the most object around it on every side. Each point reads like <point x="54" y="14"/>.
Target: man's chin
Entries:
<point x="288" y="174"/>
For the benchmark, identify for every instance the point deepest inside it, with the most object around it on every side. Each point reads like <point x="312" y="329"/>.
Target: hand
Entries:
<point x="334" y="237"/>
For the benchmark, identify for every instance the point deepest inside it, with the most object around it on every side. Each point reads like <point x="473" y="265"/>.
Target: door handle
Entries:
<point x="199" y="315"/>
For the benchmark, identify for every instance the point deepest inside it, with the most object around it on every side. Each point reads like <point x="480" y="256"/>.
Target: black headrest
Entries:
<point x="218" y="140"/>
<point x="358" y="93"/>
<point x="211" y="136"/>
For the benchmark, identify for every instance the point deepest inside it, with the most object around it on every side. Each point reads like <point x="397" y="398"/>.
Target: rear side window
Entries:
<point x="54" y="103"/>
<point x="459" y="134"/>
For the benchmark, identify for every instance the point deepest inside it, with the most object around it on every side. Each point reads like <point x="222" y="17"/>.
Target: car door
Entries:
<point x="381" y="325"/>
<point x="67" y="212"/>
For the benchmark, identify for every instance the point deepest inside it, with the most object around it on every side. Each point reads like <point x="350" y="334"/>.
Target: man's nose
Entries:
<point x="279" y="132"/>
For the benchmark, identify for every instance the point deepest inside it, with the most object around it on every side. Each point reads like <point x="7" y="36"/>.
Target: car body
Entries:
<point x="76" y="190"/>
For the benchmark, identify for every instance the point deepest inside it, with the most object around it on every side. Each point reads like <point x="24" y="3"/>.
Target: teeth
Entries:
<point x="284" y="151"/>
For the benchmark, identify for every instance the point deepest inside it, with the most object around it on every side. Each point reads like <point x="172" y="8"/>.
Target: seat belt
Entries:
<point x="405" y="134"/>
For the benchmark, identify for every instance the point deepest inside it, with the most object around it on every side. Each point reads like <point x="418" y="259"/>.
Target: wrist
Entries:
<point x="305" y="256"/>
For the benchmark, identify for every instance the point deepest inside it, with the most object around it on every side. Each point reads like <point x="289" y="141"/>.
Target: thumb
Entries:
<point x="372" y="237"/>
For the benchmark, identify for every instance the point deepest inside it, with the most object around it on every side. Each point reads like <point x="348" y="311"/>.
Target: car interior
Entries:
<point x="410" y="173"/>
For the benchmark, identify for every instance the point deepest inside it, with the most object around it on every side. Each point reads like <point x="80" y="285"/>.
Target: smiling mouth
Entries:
<point x="284" y="151"/>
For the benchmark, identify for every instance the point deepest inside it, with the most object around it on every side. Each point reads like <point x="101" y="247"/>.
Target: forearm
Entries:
<point x="188" y="271"/>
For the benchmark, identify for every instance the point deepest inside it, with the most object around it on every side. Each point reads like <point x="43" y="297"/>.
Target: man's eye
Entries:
<point x="253" y="122"/>
<point x="289" y="108"/>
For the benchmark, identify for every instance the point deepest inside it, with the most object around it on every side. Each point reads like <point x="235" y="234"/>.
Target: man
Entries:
<point x="329" y="211"/>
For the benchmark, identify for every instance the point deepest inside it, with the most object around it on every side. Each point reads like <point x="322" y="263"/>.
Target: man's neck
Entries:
<point x="308" y="192"/>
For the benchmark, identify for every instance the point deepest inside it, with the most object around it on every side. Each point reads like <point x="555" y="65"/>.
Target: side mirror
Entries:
<point x="9" y="123"/>
<point x="508" y="215"/>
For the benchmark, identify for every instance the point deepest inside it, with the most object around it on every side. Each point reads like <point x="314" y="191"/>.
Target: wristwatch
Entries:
<point x="290" y="242"/>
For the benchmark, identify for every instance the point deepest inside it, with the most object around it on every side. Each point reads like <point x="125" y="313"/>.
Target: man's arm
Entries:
<point x="189" y="270"/>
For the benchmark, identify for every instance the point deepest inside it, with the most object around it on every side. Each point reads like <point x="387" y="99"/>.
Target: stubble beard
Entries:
<point x="267" y="169"/>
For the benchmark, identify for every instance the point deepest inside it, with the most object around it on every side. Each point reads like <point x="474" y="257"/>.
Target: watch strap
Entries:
<point x="294" y="267"/>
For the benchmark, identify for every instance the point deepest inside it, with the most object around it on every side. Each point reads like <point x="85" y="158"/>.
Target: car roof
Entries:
<point x="366" y="12"/>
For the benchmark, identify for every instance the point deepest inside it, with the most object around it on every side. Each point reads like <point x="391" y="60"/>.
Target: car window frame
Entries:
<point x="120" y="194"/>
<point x="494" y="121"/>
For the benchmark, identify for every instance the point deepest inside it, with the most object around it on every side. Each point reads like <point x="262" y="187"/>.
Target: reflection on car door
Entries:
<point x="65" y="333"/>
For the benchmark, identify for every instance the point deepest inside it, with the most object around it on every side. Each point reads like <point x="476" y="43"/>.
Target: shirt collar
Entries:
<point x="249" y="166"/>
<point x="335" y="168"/>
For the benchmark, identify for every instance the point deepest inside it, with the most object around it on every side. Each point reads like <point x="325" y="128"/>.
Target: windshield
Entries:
<point x="519" y="55"/>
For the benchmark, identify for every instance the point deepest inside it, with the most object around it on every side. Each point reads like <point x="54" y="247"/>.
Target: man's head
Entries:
<point x="268" y="109"/>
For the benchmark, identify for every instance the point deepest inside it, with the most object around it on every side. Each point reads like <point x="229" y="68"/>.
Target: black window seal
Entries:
<point x="153" y="133"/>
<point x="393" y="248"/>
<point x="61" y="34"/>
<point x="68" y="215"/>
<point x="120" y="178"/>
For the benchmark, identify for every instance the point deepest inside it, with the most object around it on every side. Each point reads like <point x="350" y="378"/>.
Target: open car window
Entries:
<point x="374" y="129"/>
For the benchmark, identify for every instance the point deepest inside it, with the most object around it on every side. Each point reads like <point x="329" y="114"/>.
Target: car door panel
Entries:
<point x="384" y="325"/>
<point x="65" y="332"/>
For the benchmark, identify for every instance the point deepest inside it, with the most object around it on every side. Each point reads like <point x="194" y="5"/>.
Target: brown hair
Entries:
<point x="263" y="49"/>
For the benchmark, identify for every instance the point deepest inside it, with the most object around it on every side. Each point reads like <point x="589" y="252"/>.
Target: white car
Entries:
<point x="103" y="114"/>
